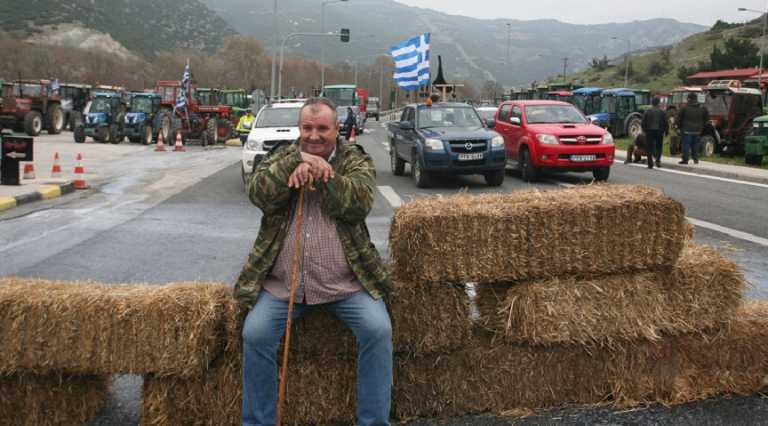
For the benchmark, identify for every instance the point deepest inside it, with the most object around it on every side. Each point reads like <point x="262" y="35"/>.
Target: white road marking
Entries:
<point x="707" y="225"/>
<point x="390" y="195"/>
<point x="722" y="179"/>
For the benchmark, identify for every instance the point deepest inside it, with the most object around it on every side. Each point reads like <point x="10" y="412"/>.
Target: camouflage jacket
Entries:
<point x="349" y="199"/>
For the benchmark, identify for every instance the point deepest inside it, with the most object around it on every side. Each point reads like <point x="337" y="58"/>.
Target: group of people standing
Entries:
<point x="690" y="122"/>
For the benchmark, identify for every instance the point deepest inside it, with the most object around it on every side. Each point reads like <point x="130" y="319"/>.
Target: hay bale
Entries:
<point x="425" y="319"/>
<point x="673" y="370"/>
<point x="530" y="234"/>
<point x="91" y="328"/>
<point x="320" y="391"/>
<point x="28" y="399"/>
<point x="703" y="291"/>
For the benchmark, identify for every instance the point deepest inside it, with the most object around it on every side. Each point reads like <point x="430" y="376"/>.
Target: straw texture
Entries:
<point x="702" y="292"/>
<point x="93" y="328"/>
<point x="529" y="235"/>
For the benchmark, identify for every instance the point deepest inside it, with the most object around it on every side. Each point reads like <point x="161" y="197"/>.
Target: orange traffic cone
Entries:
<point x="351" y="137"/>
<point x="178" y="147"/>
<point x="29" y="171"/>
<point x="80" y="182"/>
<point x="56" y="169"/>
<point x="160" y="145"/>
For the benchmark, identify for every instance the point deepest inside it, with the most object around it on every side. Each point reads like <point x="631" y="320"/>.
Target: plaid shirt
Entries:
<point x="324" y="274"/>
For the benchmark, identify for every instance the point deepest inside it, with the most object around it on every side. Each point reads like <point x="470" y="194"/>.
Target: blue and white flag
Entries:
<point x="412" y="62"/>
<point x="181" y="98"/>
<point x="55" y="85"/>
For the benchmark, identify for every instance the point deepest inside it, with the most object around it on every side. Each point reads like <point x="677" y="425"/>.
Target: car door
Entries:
<point x="402" y="136"/>
<point x="516" y="132"/>
<point x="502" y="124"/>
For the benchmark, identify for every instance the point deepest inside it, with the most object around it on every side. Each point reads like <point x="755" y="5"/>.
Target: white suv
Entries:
<point x="274" y="123"/>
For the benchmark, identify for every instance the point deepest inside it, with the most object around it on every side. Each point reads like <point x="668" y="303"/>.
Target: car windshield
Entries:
<point x="278" y="117"/>
<point x="444" y="116"/>
<point x="487" y="114"/>
<point x="100" y="105"/>
<point x="539" y="114"/>
<point x="141" y="105"/>
<point x="27" y="89"/>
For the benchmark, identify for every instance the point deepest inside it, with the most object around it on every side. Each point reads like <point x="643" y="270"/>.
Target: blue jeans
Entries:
<point x="264" y="328"/>
<point x="691" y="146"/>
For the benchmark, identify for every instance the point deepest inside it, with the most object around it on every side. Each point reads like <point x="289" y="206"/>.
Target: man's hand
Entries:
<point x="302" y="175"/>
<point x="320" y="169"/>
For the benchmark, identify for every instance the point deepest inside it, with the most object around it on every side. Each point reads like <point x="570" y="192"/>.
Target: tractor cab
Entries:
<point x="31" y="106"/>
<point x="207" y="96"/>
<point x="679" y="97"/>
<point x="104" y="119"/>
<point x="618" y="113"/>
<point x="642" y="99"/>
<point x="203" y="117"/>
<point x="587" y="99"/>
<point x="756" y="142"/>
<point x="74" y="97"/>
<point x="141" y="121"/>
<point x="731" y="112"/>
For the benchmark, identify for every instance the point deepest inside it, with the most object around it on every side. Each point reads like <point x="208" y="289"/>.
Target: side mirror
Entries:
<point x="406" y="125"/>
<point x="515" y="121"/>
<point x="490" y="122"/>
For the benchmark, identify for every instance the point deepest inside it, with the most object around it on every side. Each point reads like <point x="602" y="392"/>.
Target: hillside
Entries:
<point x="688" y="52"/>
<point x="142" y="26"/>
<point x="472" y="49"/>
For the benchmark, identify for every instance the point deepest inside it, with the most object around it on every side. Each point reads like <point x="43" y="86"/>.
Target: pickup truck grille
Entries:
<point x="460" y="146"/>
<point x="574" y="140"/>
<point x="269" y="144"/>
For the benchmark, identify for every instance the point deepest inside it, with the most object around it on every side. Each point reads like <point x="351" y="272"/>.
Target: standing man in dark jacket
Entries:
<point x="655" y="127"/>
<point x="339" y="267"/>
<point x="691" y="120"/>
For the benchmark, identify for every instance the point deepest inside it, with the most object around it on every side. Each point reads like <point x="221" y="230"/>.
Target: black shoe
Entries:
<point x="682" y="162"/>
<point x="695" y="161"/>
<point x="650" y="166"/>
<point x="658" y="163"/>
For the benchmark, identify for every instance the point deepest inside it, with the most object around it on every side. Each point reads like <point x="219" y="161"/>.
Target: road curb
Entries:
<point x="48" y="192"/>
<point x="671" y="164"/>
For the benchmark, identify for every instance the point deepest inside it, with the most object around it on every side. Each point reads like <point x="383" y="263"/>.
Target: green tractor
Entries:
<point x="142" y="120"/>
<point x="236" y="99"/>
<point x="756" y="141"/>
<point x="104" y="119"/>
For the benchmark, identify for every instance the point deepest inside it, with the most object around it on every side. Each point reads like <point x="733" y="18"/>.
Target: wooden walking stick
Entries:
<point x="288" y="322"/>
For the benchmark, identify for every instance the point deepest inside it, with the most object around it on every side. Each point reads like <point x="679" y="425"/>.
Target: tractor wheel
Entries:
<point x="146" y="133"/>
<point x="75" y="119"/>
<point x="166" y="124"/>
<point x="54" y="120"/>
<point x="211" y="136"/>
<point x="115" y="136"/>
<point x="102" y="134"/>
<point x="79" y="134"/>
<point x="708" y="146"/>
<point x="634" y="127"/>
<point x="33" y="123"/>
<point x="754" y="160"/>
<point x="225" y="129"/>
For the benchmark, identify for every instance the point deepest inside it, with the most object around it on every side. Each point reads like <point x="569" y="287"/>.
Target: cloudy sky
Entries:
<point x="704" y="12"/>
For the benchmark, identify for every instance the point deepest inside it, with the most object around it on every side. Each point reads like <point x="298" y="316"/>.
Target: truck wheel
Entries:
<point x="79" y="134"/>
<point x="146" y="133"/>
<point x="54" y="119"/>
<point x="420" y="177"/>
<point x="528" y="171"/>
<point x="33" y="123"/>
<point x="708" y="146"/>
<point x="396" y="163"/>
<point x="211" y="136"/>
<point x="755" y="160"/>
<point x="494" y="178"/>
<point x="601" y="174"/>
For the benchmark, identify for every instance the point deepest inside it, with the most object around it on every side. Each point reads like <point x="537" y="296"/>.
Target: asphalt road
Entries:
<point x="188" y="219"/>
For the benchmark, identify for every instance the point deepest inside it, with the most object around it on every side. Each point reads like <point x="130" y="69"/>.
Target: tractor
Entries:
<point x="756" y="142"/>
<point x="74" y="97"/>
<point x="618" y="113"/>
<point x="142" y="121"/>
<point x="210" y="122"/>
<point x="587" y="99"/>
<point x="104" y="119"/>
<point x="642" y="99"/>
<point x="31" y="106"/>
<point x="678" y="97"/>
<point x="236" y="99"/>
<point x="731" y="111"/>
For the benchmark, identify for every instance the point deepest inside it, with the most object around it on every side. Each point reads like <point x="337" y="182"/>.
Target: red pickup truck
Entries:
<point x="551" y="135"/>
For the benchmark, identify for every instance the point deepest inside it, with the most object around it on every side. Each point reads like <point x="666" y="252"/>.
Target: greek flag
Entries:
<point x="55" y="85"/>
<point x="181" y="98"/>
<point x="412" y="62"/>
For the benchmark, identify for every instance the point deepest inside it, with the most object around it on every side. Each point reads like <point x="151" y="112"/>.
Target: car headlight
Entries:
<point x="547" y="139"/>
<point x="608" y="139"/>
<point x="253" y="145"/>
<point x="497" y="142"/>
<point x="434" y="144"/>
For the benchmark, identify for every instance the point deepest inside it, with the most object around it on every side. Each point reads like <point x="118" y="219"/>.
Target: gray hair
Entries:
<point x="315" y="103"/>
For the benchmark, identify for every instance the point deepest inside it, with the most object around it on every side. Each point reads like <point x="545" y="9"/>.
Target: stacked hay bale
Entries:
<point x="62" y="341"/>
<point x="571" y="313"/>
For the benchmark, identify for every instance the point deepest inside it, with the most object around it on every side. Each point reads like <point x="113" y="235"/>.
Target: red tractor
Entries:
<point x="31" y="106"/>
<point x="209" y="121"/>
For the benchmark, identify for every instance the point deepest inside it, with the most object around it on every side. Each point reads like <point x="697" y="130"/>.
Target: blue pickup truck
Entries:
<point x="445" y="138"/>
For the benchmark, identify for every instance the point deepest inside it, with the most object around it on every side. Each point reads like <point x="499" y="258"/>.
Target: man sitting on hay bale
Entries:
<point x="322" y="190"/>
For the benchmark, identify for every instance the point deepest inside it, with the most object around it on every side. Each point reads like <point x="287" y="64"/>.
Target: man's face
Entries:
<point x="318" y="130"/>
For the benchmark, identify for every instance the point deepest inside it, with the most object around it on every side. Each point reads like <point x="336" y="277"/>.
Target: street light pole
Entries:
<point x="626" y="59"/>
<point x="322" y="43"/>
<point x="509" y="37"/>
<point x="274" y="50"/>
<point x="565" y="67"/>
<point x="762" y="43"/>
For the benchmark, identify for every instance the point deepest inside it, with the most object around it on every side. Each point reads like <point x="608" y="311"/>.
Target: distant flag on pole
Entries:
<point x="412" y="62"/>
<point x="55" y="85"/>
<point x="181" y="98"/>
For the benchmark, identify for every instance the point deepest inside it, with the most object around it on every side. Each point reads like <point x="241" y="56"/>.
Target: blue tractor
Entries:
<point x="142" y="121"/>
<point x="104" y="119"/>
<point x="587" y="99"/>
<point x="619" y="113"/>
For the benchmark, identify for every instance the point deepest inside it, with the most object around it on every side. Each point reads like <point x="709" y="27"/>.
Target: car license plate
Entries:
<point x="582" y="158"/>
<point x="475" y="156"/>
